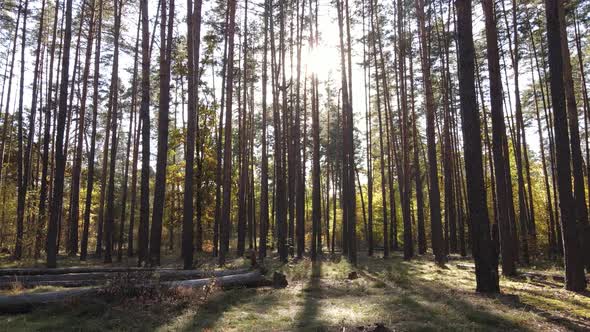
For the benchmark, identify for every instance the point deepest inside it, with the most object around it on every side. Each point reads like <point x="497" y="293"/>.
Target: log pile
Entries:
<point x="94" y="282"/>
<point x="84" y="278"/>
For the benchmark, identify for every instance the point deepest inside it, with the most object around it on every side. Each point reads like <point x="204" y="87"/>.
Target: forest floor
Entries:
<point x="402" y="296"/>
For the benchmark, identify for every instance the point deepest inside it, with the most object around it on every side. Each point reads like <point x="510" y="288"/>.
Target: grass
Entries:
<point x="415" y="296"/>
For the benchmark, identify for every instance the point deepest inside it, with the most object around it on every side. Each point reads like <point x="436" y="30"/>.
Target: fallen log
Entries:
<point x="65" y="279"/>
<point x="26" y="302"/>
<point x="54" y="283"/>
<point x="250" y="279"/>
<point x="67" y="270"/>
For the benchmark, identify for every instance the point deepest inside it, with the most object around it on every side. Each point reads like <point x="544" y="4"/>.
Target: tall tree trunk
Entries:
<point x="574" y="137"/>
<point x="586" y="227"/>
<point x="58" y="186"/>
<point x="405" y="136"/>
<point x="33" y="112"/>
<point x="110" y="217"/>
<point x="434" y="192"/>
<point x="91" y="155"/>
<point x="299" y="168"/>
<point x="6" y="126"/>
<point x="486" y="266"/>
<point x="264" y="157"/>
<point x="518" y="140"/>
<point x="163" y="124"/>
<point x="21" y="157"/>
<point x="187" y="223"/>
<point x="574" y="268"/>
<point x="280" y="189"/>
<point x="243" y="143"/>
<point x="417" y="170"/>
<point x="46" y="137"/>
<point x="144" y="208"/>
<point x="315" y="175"/>
<point x="501" y="159"/>
<point x="380" y="122"/>
<point x="551" y="220"/>
<point x="227" y="162"/>
<point x="368" y="135"/>
<point x="77" y="167"/>
<point x="132" y="138"/>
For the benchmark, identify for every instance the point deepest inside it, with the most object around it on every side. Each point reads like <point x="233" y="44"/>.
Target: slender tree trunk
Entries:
<point x="6" y="126"/>
<point x="46" y="137"/>
<point x="550" y="219"/>
<point x="501" y="159"/>
<point x="21" y="159"/>
<point x="280" y="189"/>
<point x="60" y="161"/>
<point x="434" y="193"/>
<point x="264" y="157"/>
<point x="163" y="124"/>
<point x="77" y="167"/>
<point x="227" y="162"/>
<point x="574" y="268"/>
<point x="315" y="176"/>
<point x="110" y="217"/>
<point x="405" y="137"/>
<point x="144" y="208"/>
<point x="243" y="140"/>
<point x="91" y="155"/>
<point x="380" y="122"/>
<point x="133" y="135"/>
<point x="300" y="184"/>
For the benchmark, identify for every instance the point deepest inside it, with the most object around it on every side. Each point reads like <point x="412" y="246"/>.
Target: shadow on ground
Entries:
<point x="401" y="295"/>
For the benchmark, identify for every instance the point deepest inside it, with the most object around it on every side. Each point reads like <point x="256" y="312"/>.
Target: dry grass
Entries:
<point x="415" y="296"/>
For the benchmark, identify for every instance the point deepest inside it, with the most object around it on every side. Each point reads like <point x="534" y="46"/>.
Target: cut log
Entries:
<point x="67" y="270"/>
<point x="26" y="302"/>
<point x="161" y="274"/>
<point x="250" y="279"/>
<point x="53" y="283"/>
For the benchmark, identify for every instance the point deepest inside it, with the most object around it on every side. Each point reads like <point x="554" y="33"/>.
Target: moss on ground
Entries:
<point x="415" y="296"/>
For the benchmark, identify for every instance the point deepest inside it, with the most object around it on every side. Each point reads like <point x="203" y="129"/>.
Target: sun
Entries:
<point x="322" y="61"/>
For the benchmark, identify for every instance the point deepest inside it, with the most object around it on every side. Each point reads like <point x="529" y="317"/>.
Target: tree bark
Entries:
<point x="60" y="161"/>
<point x="227" y="161"/>
<point x="574" y="269"/>
<point x="486" y="267"/>
<point x="144" y="209"/>
<point x="501" y="160"/>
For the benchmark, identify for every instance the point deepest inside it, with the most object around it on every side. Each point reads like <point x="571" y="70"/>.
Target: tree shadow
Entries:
<point x="430" y="302"/>
<point x="307" y="318"/>
<point x="210" y="312"/>
<point x="571" y="324"/>
<point x="95" y="314"/>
